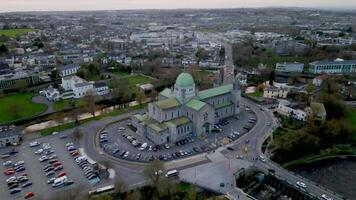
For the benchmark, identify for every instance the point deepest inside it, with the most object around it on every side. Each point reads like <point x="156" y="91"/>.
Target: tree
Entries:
<point x="76" y="134"/>
<point x="140" y="96"/>
<point x="88" y="102"/>
<point x="310" y="88"/>
<point x="271" y="77"/>
<point x="154" y="172"/>
<point x="191" y="194"/>
<point x="134" y="195"/>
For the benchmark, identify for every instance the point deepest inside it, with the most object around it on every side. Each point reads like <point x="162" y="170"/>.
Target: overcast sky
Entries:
<point x="53" y="5"/>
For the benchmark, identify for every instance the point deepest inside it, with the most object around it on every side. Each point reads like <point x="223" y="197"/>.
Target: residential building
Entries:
<point x="77" y="86"/>
<point x="289" y="67"/>
<point x="9" y="135"/>
<point x="317" y="81"/>
<point x="183" y="112"/>
<point x="273" y="92"/>
<point x="287" y="110"/>
<point x="101" y="88"/>
<point x="338" y="66"/>
<point x="67" y="70"/>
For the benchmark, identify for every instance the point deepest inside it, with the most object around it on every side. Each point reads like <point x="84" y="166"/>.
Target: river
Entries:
<point x="337" y="175"/>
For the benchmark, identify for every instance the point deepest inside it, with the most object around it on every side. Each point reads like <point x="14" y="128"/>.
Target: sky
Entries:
<point x="68" y="5"/>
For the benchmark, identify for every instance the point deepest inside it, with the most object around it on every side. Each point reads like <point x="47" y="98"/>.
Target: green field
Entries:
<point x="62" y="104"/>
<point x="12" y="33"/>
<point x="137" y="79"/>
<point x="256" y="94"/>
<point x="19" y="106"/>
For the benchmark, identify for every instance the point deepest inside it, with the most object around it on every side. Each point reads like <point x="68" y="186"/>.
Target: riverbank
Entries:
<point x="337" y="174"/>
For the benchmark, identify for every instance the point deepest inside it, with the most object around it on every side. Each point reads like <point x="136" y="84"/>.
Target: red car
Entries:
<point x="29" y="195"/>
<point x="61" y="174"/>
<point x="56" y="164"/>
<point x="75" y="153"/>
<point x="9" y="172"/>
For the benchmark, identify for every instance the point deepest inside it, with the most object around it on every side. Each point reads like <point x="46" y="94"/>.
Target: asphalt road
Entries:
<point x="256" y="136"/>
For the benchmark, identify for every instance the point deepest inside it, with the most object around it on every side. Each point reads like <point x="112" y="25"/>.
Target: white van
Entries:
<point x="172" y="173"/>
<point x="59" y="181"/>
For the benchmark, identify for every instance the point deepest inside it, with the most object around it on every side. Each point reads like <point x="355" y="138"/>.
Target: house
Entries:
<point x="101" y="88"/>
<point x="291" y="112"/>
<point x="183" y="112"/>
<point x="76" y="86"/>
<point x="273" y="92"/>
<point x="68" y="70"/>
<point x="52" y="94"/>
<point x="9" y="135"/>
<point x="317" y="81"/>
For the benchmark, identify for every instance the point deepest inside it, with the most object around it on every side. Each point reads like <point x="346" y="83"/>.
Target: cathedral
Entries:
<point x="183" y="112"/>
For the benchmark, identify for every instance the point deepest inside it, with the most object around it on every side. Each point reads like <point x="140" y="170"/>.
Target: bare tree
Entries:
<point x="88" y="102"/>
<point x="154" y="172"/>
<point x="76" y="135"/>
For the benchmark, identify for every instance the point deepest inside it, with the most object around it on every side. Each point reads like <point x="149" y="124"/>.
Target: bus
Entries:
<point x="102" y="190"/>
<point x="172" y="173"/>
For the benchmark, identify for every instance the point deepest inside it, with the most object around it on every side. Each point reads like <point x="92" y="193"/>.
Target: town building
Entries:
<point x="289" y="111"/>
<point x="67" y="70"/>
<point x="317" y="81"/>
<point x="101" y="88"/>
<point x="76" y="87"/>
<point x="273" y="92"/>
<point x="9" y="135"/>
<point x="338" y="66"/>
<point x="289" y="67"/>
<point x="183" y="111"/>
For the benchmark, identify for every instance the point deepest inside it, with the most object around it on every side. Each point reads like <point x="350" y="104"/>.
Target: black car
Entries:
<point x="23" y="180"/>
<point x="49" y="169"/>
<point x="13" y="186"/>
<point x="12" y="183"/>
<point x="69" y="182"/>
<point x="230" y="148"/>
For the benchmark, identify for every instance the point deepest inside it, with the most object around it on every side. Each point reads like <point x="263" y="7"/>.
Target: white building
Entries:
<point x="317" y="81"/>
<point x="288" y="111"/>
<point x="68" y="70"/>
<point x="78" y="86"/>
<point x="339" y="66"/>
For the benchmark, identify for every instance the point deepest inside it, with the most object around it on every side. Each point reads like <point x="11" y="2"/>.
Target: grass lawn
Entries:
<point x="11" y="33"/>
<point x="70" y="125"/>
<point x="120" y="74"/>
<point x="137" y="79"/>
<point x="256" y="94"/>
<point x="60" y="105"/>
<point x="18" y="106"/>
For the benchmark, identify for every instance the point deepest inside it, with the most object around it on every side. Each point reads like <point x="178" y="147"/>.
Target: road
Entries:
<point x="256" y="136"/>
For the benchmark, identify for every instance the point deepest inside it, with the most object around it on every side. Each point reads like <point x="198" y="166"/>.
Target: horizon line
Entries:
<point x="328" y="8"/>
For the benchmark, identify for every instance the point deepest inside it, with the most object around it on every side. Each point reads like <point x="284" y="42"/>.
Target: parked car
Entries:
<point x="4" y="156"/>
<point x="50" y="173"/>
<point x="28" y="183"/>
<point x="15" y="190"/>
<point x="61" y="174"/>
<point x="43" y="158"/>
<point x="39" y="151"/>
<point x="51" y="180"/>
<point x="7" y="163"/>
<point x="63" y="136"/>
<point x="29" y="195"/>
<point x="34" y="144"/>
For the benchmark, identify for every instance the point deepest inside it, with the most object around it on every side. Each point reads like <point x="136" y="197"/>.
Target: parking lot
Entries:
<point x="35" y="169"/>
<point x="121" y="141"/>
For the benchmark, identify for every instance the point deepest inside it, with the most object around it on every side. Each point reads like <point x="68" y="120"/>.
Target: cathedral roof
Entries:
<point x="185" y="80"/>
<point x="167" y="103"/>
<point x="205" y="94"/>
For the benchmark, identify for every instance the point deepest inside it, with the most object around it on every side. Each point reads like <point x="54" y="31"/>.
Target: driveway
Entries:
<point x="43" y="100"/>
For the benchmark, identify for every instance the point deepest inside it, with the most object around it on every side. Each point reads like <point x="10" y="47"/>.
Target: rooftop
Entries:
<point x="166" y="92"/>
<point x="205" y="94"/>
<point x="195" y="104"/>
<point x="157" y="127"/>
<point x="177" y="122"/>
<point x="167" y="103"/>
<point x="185" y="80"/>
<point x="8" y="131"/>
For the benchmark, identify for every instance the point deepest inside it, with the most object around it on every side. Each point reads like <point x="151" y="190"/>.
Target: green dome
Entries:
<point x="185" y="80"/>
